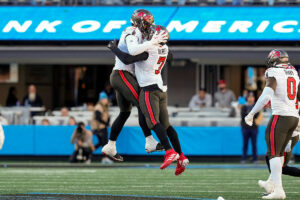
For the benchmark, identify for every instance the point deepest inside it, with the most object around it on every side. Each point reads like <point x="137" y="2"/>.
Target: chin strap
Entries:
<point x="263" y="100"/>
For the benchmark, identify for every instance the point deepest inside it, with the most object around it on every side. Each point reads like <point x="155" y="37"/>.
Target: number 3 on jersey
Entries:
<point x="291" y="88"/>
<point x="161" y="62"/>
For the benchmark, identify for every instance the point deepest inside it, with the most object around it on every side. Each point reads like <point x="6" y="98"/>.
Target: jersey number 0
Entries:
<point x="291" y="88"/>
<point x="161" y="62"/>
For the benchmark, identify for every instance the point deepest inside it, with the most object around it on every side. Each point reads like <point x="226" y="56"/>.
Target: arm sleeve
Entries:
<point x="127" y="58"/>
<point x="263" y="100"/>
<point x="134" y="47"/>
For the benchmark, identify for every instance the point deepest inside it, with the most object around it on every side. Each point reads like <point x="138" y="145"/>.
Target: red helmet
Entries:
<point x="275" y="57"/>
<point x="143" y="20"/>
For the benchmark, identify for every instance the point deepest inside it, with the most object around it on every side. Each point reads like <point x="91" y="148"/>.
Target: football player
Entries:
<point x="282" y="89"/>
<point x="124" y="82"/>
<point x="286" y="170"/>
<point x="153" y="99"/>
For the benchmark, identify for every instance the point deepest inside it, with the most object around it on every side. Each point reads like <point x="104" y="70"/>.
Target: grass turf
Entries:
<point x="196" y="183"/>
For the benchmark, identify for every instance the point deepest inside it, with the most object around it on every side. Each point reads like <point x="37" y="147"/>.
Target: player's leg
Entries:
<point x="151" y="144"/>
<point x="125" y="109"/>
<point x="131" y="93"/>
<point x="287" y="170"/>
<point x="279" y="135"/>
<point x="149" y="104"/>
<point x="110" y="148"/>
<point x="182" y="162"/>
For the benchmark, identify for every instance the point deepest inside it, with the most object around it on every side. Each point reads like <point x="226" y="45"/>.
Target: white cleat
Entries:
<point x="277" y="194"/>
<point x="111" y="151"/>
<point x="268" y="186"/>
<point x="152" y="145"/>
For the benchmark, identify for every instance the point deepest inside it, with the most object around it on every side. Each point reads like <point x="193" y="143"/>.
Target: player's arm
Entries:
<point x="125" y="57"/>
<point x="135" y="48"/>
<point x="263" y="100"/>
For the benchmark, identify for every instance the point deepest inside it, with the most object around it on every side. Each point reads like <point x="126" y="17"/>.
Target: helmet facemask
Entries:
<point x="143" y="20"/>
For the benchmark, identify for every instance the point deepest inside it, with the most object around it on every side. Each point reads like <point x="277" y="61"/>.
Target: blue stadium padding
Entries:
<point x="55" y="140"/>
<point x="19" y="140"/>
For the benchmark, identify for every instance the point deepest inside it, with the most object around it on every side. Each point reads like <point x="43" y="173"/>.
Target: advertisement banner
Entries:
<point x="184" y="23"/>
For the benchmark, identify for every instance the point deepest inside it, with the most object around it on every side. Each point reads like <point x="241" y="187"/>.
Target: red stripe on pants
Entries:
<point x="272" y="139"/>
<point x="284" y="158"/>
<point x="149" y="108"/>
<point x="129" y="85"/>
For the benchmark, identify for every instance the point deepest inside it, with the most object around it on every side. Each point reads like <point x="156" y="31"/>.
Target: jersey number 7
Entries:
<point x="160" y="61"/>
<point x="291" y="88"/>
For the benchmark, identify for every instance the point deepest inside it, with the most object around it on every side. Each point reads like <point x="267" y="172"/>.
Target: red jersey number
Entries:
<point x="160" y="61"/>
<point x="291" y="88"/>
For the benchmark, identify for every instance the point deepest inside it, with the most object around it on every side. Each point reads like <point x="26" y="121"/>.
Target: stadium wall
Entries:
<point x="196" y="141"/>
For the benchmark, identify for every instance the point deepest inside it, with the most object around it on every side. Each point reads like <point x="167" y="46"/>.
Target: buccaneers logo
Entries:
<point x="274" y="54"/>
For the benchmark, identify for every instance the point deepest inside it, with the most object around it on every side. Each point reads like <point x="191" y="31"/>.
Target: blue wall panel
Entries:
<point x="55" y="140"/>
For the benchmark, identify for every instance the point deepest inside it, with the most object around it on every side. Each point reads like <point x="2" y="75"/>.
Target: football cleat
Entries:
<point x="170" y="156"/>
<point x="268" y="186"/>
<point x="152" y="145"/>
<point x="278" y="193"/>
<point x="182" y="162"/>
<point x="111" y="151"/>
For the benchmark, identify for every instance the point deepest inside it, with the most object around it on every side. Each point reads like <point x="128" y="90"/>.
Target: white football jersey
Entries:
<point x="148" y="72"/>
<point x="284" y="101"/>
<point x="123" y="47"/>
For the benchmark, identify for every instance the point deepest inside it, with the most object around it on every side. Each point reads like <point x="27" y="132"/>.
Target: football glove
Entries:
<point x="159" y="38"/>
<point x="112" y="44"/>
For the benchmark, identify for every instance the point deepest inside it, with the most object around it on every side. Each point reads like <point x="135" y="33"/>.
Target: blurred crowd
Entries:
<point x="146" y="2"/>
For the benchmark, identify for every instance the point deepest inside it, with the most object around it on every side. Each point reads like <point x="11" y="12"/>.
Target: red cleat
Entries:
<point x="170" y="156"/>
<point x="182" y="162"/>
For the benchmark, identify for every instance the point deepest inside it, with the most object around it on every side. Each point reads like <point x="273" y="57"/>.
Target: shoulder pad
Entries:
<point x="270" y="72"/>
<point x="130" y="30"/>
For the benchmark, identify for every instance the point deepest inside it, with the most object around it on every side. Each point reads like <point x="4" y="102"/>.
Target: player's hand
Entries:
<point x="112" y="44"/>
<point x="159" y="38"/>
<point x="249" y="119"/>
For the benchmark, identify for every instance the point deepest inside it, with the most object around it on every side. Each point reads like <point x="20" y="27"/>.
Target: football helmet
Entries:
<point x="275" y="57"/>
<point x="143" y="20"/>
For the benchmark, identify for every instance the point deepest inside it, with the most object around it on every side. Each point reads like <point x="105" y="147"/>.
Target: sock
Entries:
<point x="143" y="124"/>
<point x="162" y="136"/>
<point x="173" y="136"/>
<point x="268" y="163"/>
<point x="150" y="137"/>
<point x="276" y="170"/>
<point x="269" y="179"/>
<point x="291" y="171"/>
<point x="118" y="125"/>
<point x="110" y="142"/>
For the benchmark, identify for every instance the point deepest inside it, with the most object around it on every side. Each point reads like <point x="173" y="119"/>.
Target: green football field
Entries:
<point x="137" y="182"/>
